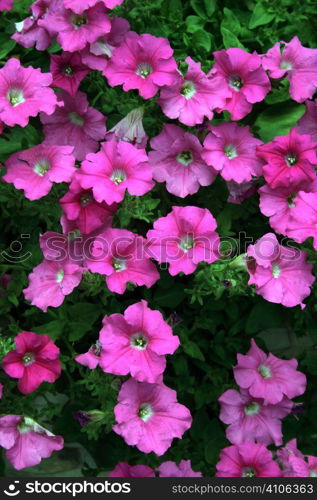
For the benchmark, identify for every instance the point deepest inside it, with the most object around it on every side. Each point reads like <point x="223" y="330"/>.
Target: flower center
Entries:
<point x="85" y="199"/>
<point x="28" y="358"/>
<point x="265" y="371"/>
<point x="235" y="82"/>
<point x="41" y="167"/>
<point x="96" y="348"/>
<point x="312" y="473"/>
<point x="78" y="20"/>
<point x="60" y="276"/>
<point x="76" y="119"/>
<point x="25" y="425"/>
<point x="139" y="341"/>
<point x="286" y="65"/>
<point x="290" y="200"/>
<point x="118" y="176"/>
<point x="252" y="409"/>
<point x="145" y="412"/>
<point x="291" y="159"/>
<point x="185" y="158"/>
<point x="248" y="472"/>
<point x="188" y="89"/>
<point x="230" y="151"/>
<point x="119" y="264"/>
<point x="68" y="71"/>
<point x="15" y="97"/>
<point x="276" y="270"/>
<point x="144" y="69"/>
<point x="187" y="243"/>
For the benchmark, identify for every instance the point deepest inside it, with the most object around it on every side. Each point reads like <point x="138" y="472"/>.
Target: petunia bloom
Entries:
<point x="284" y="454"/>
<point x="193" y="97"/>
<point x="142" y="62"/>
<point x="36" y="169"/>
<point x="247" y="460"/>
<point x="91" y="358"/>
<point x="24" y="92"/>
<point x="290" y="160"/>
<point x="177" y="159"/>
<point x="308" y="122"/>
<point x="136" y="343"/>
<point x="29" y="33"/>
<point x="185" y="237"/>
<point x="171" y="469"/>
<point x="75" y="124"/>
<point x="242" y="75"/>
<point x="149" y="417"/>
<point x="79" y="6"/>
<point x="250" y="420"/>
<point x="123" y="469"/>
<point x="130" y="129"/>
<point x="268" y="377"/>
<point x="231" y="150"/>
<point x="68" y="71"/>
<point x="26" y="442"/>
<point x="295" y="63"/>
<point x="35" y="360"/>
<point x="117" y="167"/>
<point x="6" y="5"/>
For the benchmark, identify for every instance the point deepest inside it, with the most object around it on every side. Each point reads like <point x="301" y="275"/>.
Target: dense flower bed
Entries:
<point x="158" y="271"/>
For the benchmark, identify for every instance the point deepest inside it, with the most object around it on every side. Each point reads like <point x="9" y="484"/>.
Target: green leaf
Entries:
<point x="198" y="8"/>
<point x="202" y="39"/>
<point x="210" y="6"/>
<point x="192" y="349"/>
<point x="6" y="45"/>
<point x="170" y="297"/>
<point x="230" y="40"/>
<point x="194" y="23"/>
<point x="230" y="21"/>
<point x="53" y="328"/>
<point x="260" y="16"/>
<point x="278" y="120"/>
<point x="264" y="315"/>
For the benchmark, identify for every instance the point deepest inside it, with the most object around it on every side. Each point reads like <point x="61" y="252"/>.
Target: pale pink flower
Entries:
<point x="80" y="6"/>
<point x="130" y="129"/>
<point x="91" y="358"/>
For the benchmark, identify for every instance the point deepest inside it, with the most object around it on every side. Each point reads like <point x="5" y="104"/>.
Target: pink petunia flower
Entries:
<point x="91" y="358"/>
<point x="149" y="417"/>
<point x="171" y="469"/>
<point x="136" y="343"/>
<point x="280" y="274"/>
<point x="130" y="129"/>
<point x="308" y="122"/>
<point x="35" y="360"/>
<point x="185" y="237"/>
<point x="250" y="420"/>
<point x="284" y="454"/>
<point x="290" y="159"/>
<point x="193" y="97"/>
<point x="177" y="160"/>
<point x="36" y="169"/>
<point x="297" y="64"/>
<point x="24" y="92"/>
<point x="123" y="469"/>
<point x="118" y="167"/>
<point x="302" y="467"/>
<point x="26" y="441"/>
<point x="50" y="282"/>
<point x="75" y="124"/>
<point x="75" y="31"/>
<point x="303" y="221"/>
<point x="122" y="257"/>
<point x="6" y="5"/>
<point x="97" y="54"/>
<point x="243" y="76"/>
<point x="29" y="33"/>
<point x="268" y="377"/>
<point x="67" y="71"/>
<point x="247" y="460"/>
<point x="231" y="150"/>
<point x="79" y="205"/>
<point x="80" y="6"/>
<point x="142" y="62"/>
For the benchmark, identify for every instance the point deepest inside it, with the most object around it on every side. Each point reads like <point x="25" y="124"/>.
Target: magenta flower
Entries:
<point x="284" y="454"/>
<point x="97" y="54"/>
<point x="122" y="257"/>
<point x="250" y="420"/>
<point x="6" y="5"/>
<point x="303" y="221"/>
<point x="80" y="6"/>
<point x="136" y="343"/>
<point x="302" y="467"/>
<point x="193" y="97"/>
<point x="142" y="62"/>
<point x="177" y="160"/>
<point x="68" y="71"/>
<point x="130" y="129"/>
<point x="75" y="31"/>
<point x="35" y="360"/>
<point x="243" y="76"/>
<point x="268" y="377"/>
<point x="36" y="169"/>
<point x="290" y="159"/>
<point x="247" y="460"/>
<point x="50" y="282"/>
<point x="171" y="469"/>
<point x="149" y="417"/>
<point x="29" y="33"/>
<point x="91" y="359"/>
<point x="24" y="92"/>
<point x="185" y="237"/>
<point x="26" y="441"/>
<point x="231" y="150"/>
<point x="123" y="469"/>
<point x="280" y="274"/>
<point x="308" y="122"/>
<point x="75" y="124"/>
<point x="79" y="205"/>
<point x="297" y="64"/>
<point x="118" y="167"/>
